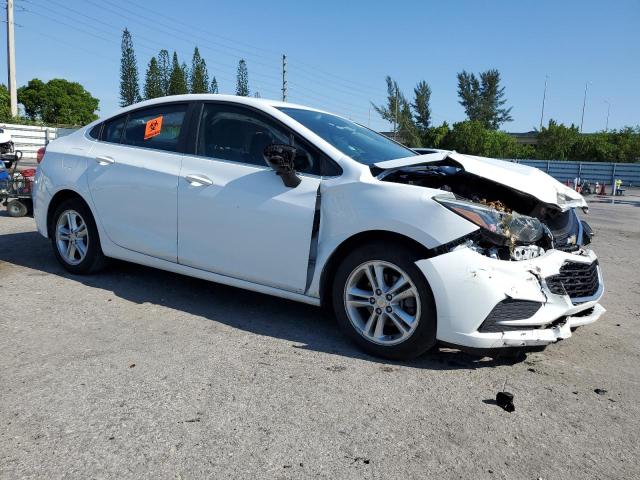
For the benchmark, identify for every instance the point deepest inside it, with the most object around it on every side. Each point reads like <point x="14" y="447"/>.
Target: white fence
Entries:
<point x="29" y="138"/>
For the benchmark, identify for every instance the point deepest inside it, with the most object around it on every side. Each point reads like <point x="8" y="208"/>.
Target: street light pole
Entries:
<point x="584" y="103"/>
<point x="544" y="97"/>
<point x="606" y="127"/>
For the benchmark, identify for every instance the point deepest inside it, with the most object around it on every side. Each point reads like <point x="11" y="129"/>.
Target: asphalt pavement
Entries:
<point x="139" y="373"/>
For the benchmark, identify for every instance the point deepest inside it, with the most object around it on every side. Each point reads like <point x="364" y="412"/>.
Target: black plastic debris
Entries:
<point x="600" y="391"/>
<point x="505" y="401"/>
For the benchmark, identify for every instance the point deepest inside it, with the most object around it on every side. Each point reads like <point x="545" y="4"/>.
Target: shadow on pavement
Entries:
<point x="313" y="328"/>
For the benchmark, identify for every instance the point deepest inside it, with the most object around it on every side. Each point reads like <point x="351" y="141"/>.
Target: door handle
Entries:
<point x="199" y="180"/>
<point x="105" y="160"/>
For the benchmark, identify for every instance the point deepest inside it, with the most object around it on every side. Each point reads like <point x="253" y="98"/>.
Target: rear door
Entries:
<point x="235" y="216"/>
<point x="133" y="179"/>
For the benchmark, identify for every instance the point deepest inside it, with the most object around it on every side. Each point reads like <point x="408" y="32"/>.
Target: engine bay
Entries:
<point x="517" y="226"/>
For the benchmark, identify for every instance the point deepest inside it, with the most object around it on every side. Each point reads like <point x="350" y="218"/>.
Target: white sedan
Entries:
<point x="408" y="249"/>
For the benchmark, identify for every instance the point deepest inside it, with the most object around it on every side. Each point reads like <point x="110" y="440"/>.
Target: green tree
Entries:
<point x="153" y="81"/>
<point x="466" y="137"/>
<point x="177" y="79"/>
<point x="129" y="87"/>
<point x="557" y="141"/>
<point x="407" y="129"/>
<point x="398" y="112"/>
<point x="164" y="65"/>
<point x="471" y="137"/>
<point x="469" y="93"/>
<point x="494" y="112"/>
<point x="214" y="86"/>
<point x="483" y="99"/>
<point x="395" y="100"/>
<point x="58" y="101"/>
<point x="5" y="108"/>
<point x="186" y="74"/>
<point x="434" y="136"/>
<point x="626" y="142"/>
<point x="31" y="97"/>
<point x="199" y="80"/>
<point x="242" y="79"/>
<point x="422" y="97"/>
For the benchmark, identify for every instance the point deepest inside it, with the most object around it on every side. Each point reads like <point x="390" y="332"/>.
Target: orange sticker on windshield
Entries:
<point x="153" y="127"/>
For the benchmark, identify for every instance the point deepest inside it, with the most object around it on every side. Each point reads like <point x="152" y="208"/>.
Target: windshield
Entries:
<point x="360" y="143"/>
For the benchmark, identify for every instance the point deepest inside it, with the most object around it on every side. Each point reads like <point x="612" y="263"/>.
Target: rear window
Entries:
<point x="157" y="127"/>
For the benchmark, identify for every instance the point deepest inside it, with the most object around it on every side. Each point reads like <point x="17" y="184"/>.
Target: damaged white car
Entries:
<point x="408" y="249"/>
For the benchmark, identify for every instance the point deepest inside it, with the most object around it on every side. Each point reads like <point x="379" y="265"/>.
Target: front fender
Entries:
<point x="348" y="209"/>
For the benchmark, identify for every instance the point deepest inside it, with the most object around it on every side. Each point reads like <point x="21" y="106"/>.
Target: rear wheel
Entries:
<point x="384" y="303"/>
<point x="74" y="238"/>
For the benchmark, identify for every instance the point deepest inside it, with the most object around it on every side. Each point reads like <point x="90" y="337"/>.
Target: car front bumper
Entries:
<point x="468" y="286"/>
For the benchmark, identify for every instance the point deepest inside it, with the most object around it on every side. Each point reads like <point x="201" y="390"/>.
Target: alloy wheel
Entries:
<point x="72" y="237"/>
<point x="382" y="303"/>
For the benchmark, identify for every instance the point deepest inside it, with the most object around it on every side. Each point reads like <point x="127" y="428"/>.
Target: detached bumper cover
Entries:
<point x="468" y="286"/>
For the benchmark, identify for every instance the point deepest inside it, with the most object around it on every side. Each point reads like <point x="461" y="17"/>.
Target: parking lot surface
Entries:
<point x="139" y="373"/>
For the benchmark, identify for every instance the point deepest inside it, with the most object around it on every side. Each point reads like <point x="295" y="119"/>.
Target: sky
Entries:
<point x="339" y="52"/>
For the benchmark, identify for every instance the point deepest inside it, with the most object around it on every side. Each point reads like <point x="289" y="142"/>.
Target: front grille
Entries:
<point x="509" y="309"/>
<point x="566" y="243"/>
<point x="577" y="280"/>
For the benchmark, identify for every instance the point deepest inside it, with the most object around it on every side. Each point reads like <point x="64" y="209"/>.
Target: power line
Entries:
<point x="171" y="27"/>
<point x="142" y="45"/>
<point x="259" y="85"/>
<point x="357" y="88"/>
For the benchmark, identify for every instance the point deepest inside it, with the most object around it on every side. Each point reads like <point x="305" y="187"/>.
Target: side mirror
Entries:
<point x="282" y="159"/>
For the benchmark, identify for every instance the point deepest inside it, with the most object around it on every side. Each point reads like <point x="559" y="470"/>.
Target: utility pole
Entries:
<point x="395" y="119"/>
<point x="606" y="127"/>
<point x="584" y="103"/>
<point x="544" y="97"/>
<point x="11" y="60"/>
<point x="284" y="78"/>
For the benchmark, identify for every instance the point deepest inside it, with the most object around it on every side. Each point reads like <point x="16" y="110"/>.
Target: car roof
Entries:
<point x="251" y="101"/>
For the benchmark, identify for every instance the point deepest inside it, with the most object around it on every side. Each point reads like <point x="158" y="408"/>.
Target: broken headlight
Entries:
<point x="511" y="227"/>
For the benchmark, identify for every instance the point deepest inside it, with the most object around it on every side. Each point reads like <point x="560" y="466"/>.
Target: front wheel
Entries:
<point x="384" y="303"/>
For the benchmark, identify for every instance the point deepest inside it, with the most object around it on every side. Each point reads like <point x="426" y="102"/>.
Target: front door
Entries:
<point x="235" y="216"/>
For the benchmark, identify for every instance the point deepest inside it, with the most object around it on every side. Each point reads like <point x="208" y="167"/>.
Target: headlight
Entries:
<point x="512" y="226"/>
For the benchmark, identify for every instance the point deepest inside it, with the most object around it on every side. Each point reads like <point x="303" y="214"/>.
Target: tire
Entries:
<point x="398" y="338"/>
<point x="17" y="209"/>
<point x="86" y="234"/>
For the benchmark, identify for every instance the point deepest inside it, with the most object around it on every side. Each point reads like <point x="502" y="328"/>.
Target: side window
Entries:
<point x="240" y="134"/>
<point x="95" y="132"/>
<point x="310" y="160"/>
<point x="112" y="131"/>
<point x="157" y="127"/>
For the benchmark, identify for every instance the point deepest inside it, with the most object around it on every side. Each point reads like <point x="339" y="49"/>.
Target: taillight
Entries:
<point x="40" y="154"/>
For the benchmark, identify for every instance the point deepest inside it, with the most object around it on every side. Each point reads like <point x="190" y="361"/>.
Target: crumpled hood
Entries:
<point x="523" y="178"/>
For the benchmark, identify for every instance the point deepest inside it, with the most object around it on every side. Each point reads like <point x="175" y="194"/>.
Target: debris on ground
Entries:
<point x="600" y="391"/>
<point x="336" y="368"/>
<point x="505" y="401"/>
<point x="191" y="420"/>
